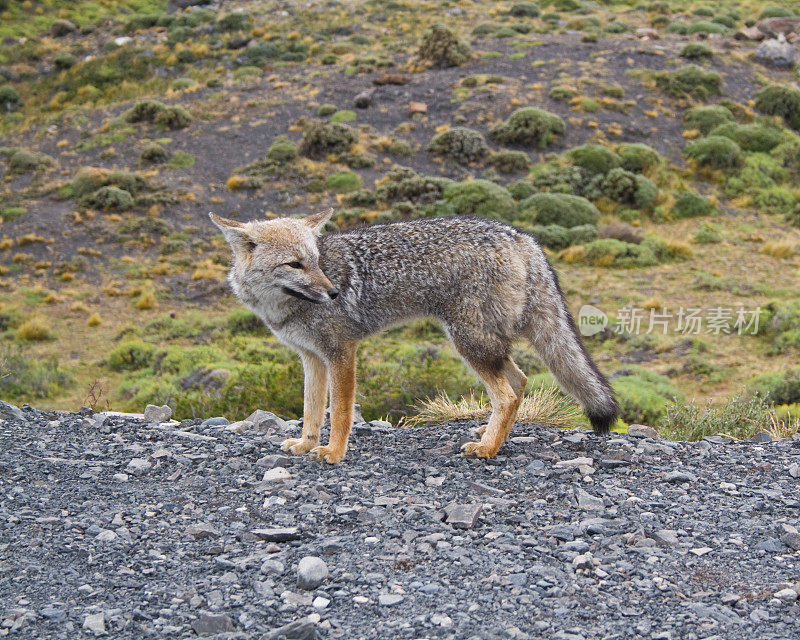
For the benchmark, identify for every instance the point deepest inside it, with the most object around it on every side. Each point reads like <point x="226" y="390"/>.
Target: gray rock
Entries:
<point x="776" y="53"/>
<point x="272" y="461"/>
<point x="242" y="426"/>
<point x="264" y="420"/>
<point x="219" y="421"/>
<point x="276" y="474"/>
<point x="303" y="629"/>
<point x="272" y="566"/>
<point x="389" y="599"/>
<point x="138" y="466"/>
<point x="202" y="531"/>
<point x="761" y="438"/>
<point x="678" y="477"/>
<point x="278" y="534"/>
<point x="10" y="412"/>
<point x="156" y="415"/>
<point x="364" y="99"/>
<point x="786" y="595"/>
<point x="665" y="538"/>
<point x="588" y="502"/>
<point x="642" y="431"/>
<point x="96" y="623"/>
<point x="463" y="516"/>
<point x="209" y="624"/>
<point x="311" y="573"/>
<point x="770" y="545"/>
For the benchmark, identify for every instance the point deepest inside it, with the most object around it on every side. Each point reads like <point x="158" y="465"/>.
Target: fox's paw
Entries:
<point x="297" y="445"/>
<point x="326" y="454"/>
<point x="478" y="450"/>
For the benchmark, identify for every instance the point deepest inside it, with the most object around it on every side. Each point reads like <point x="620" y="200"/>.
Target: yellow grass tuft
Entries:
<point x="679" y="248"/>
<point x="571" y="255"/>
<point x="544" y="406"/>
<point x="780" y="249"/>
<point x="33" y="329"/>
<point x="146" y="301"/>
<point x="94" y="320"/>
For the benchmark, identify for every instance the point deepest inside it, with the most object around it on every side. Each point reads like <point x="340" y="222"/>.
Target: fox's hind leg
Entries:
<point x="315" y="395"/>
<point x="505" y="384"/>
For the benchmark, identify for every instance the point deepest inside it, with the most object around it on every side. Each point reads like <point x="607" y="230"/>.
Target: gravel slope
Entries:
<point x="112" y="526"/>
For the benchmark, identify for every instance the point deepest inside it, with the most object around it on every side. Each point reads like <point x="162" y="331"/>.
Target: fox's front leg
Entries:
<point x="315" y="397"/>
<point x="343" y="395"/>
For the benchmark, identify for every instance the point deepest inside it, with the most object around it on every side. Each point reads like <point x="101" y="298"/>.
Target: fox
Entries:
<point x="488" y="283"/>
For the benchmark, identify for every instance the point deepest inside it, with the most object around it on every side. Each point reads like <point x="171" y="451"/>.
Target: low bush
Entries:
<point x="480" y="198"/>
<point x="108" y="199"/>
<point x="557" y="208"/>
<point x="695" y="51"/>
<point x="706" y="118"/>
<point x="344" y="182"/>
<point x="508" y="161"/>
<point x="459" y="144"/>
<point x="643" y="395"/>
<point x="594" y="158"/>
<point x="323" y="138"/>
<point x="638" y="157"/>
<point x="130" y="355"/>
<point x="528" y="126"/>
<point x="751" y="137"/>
<point x="442" y="48"/>
<point x="690" y="204"/>
<point x="780" y="100"/>
<point x="716" y="152"/>
<point x="689" y="82"/>
<point x="557" y="237"/>
<point x="737" y="417"/>
<point x="777" y="387"/>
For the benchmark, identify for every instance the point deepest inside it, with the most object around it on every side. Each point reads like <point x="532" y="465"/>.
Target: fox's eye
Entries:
<point x="294" y="265"/>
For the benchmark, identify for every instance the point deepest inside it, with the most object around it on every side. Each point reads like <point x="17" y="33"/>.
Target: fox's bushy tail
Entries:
<point x="555" y="338"/>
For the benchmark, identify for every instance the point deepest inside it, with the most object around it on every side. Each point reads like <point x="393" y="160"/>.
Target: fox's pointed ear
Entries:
<point x="232" y="230"/>
<point x="317" y="220"/>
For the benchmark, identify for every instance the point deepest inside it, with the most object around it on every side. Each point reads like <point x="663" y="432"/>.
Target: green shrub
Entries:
<point x="680" y="28"/>
<point x="108" y="199"/>
<point x="706" y="118"/>
<point x="27" y="378"/>
<point x="643" y="395"/>
<point x="707" y="234"/>
<point x="153" y="153"/>
<point x="524" y="10"/>
<point x="323" y="138"/>
<point x="557" y="208"/>
<point x="750" y="137"/>
<point x="508" y="161"/>
<point x="777" y="200"/>
<point x="778" y="100"/>
<point x="626" y="187"/>
<point x="716" y="152"/>
<point x="343" y="182"/>
<point x="690" y="204"/>
<point x="404" y="184"/>
<point x="555" y="236"/>
<point x="282" y="150"/>
<point x="560" y="179"/>
<point x="780" y="323"/>
<point x="344" y="116"/>
<point x="563" y="93"/>
<point x="610" y="252"/>
<point x="12" y="213"/>
<point x="22" y="161"/>
<point x="442" y="48"/>
<point x="235" y="21"/>
<point x="244" y="321"/>
<point x="760" y="171"/>
<point x="528" y="126"/>
<point x="777" y="387"/>
<point x="520" y="189"/>
<point x="594" y="158"/>
<point x="638" y="157"/>
<point x="459" y="144"/>
<point x="64" y="61"/>
<point x="480" y="198"/>
<point x="616" y="27"/>
<point x="736" y="417"/>
<point x="326" y="110"/>
<point x="9" y="98"/>
<point x="170" y="117"/>
<point x="703" y="26"/>
<point x="130" y="355"/>
<point x="695" y="51"/>
<point x="690" y="81"/>
<point x="776" y="12"/>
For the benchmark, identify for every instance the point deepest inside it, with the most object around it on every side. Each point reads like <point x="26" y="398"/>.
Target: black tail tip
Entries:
<point x="603" y="420"/>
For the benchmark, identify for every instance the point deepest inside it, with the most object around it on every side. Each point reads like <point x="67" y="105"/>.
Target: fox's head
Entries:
<point x="278" y="256"/>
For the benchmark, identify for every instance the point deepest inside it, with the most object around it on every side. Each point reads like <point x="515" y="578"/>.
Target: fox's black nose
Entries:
<point x="333" y="293"/>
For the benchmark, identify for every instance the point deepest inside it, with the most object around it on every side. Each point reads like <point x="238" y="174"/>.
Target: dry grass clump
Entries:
<point x="544" y="406"/>
<point x="35" y="329"/>
<point x="780" y="248"/>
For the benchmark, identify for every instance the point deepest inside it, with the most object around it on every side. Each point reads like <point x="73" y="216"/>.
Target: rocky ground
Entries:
<point x="113" y="526"/>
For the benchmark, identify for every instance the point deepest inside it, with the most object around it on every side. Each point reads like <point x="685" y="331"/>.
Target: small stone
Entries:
<point x="665" y="538"/>
<point x="794" y="470"/>
<point x="575" y="462"/>
<point x="278" y="534"/>
<point x="761" y="438"/>
<point x="700" y="551"/>
<point x="96" y="623"/>
<point x="389" y="599"/>
<point x="106" y="536"/>
<point x="264" y="420"/>
<point x="209" y="624"/>
<point x="304" y="629"/>
<point x="770" y="545"/>
<point x="271" y="566"/>
<point x="272" y="461"/>
<point x="201" y="531"/>
<point x="642" y="431"/>
<point x="218" y="421"/>
<point x="138" y="466"/>
<point x="156" y="415"/>
<point x="240" y="427"/>
<point x="380" y="424"/>
<point x="463" y="516"/>
<point x="583" y="561"/>
<point x="320" y="603"/>
<point x="277" y="474"/>
<point x="311" y="572"/>
<point x="120" y="477"/>
<point x="364" y="99"/>
<point x="417" y="107"/>
<point x="776" y="53"/>
<point x="791" y="539"/>
<point x="9" y="411"/>
<point x="679" y="477"/>
<point x="588" y="502"/>
<point x="646" y="33"/>
<point x="534" y="466"/>
<point x="749" y="33"/>
<point x="786" y="595"/>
